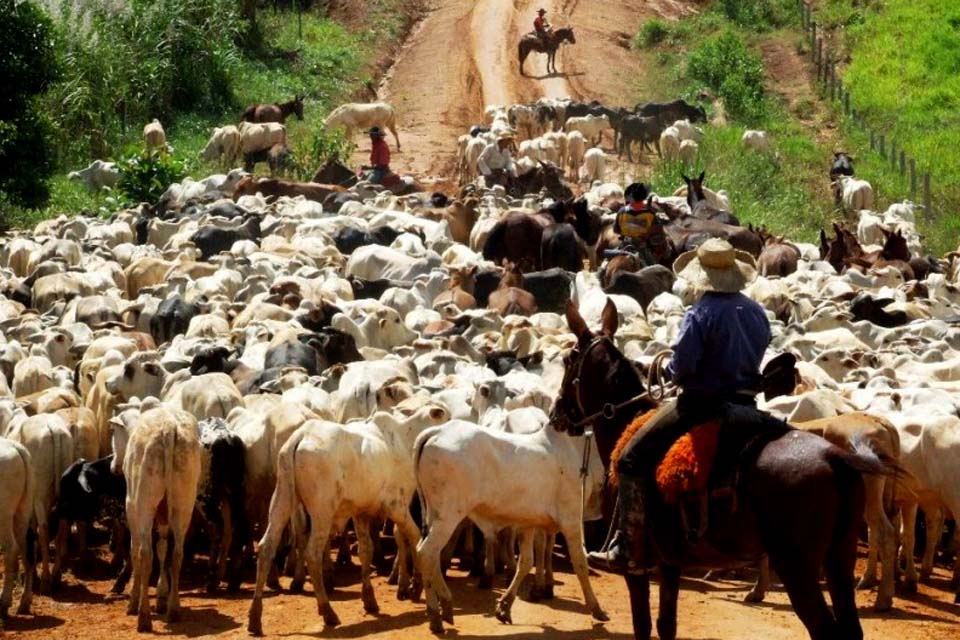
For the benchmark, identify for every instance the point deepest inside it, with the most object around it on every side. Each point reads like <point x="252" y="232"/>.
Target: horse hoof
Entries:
<point x="296" y="586"/>
<point x="754" y="597"/>
<point x="403" y="593"/>
<point x="536" y="594"/>
<point x="503" y="615"/>
<point x="548" y="592"/>
<point x="330" y="617"/>
<point x="446" y="612"/>
<point x="867" y="583"/>
<point x="436" y="627"/>
<point x="883" y="604"/>
<point x="144" y="625"/>
<point x="600" y="614"/>
<point x="910" y="586"/>
<point x="174" y="616"/>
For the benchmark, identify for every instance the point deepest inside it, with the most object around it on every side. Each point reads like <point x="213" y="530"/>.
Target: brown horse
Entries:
<point x="518" y="237"/>
<point x="800" y="499"/>
<point x="530" y="42"/>
<point x="276" y="112"/>
<point x="778" y="258"/>
<point x="844" y="252"/>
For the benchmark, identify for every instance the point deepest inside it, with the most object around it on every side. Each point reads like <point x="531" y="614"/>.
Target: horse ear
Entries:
<point x="576" y="322"/>
<point x="609" y="321"/>
<point x="701" y="176"/>
<point x="685" y="178"/>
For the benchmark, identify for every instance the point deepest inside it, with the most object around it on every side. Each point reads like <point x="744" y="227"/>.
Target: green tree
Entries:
<point x="28" y="66"/>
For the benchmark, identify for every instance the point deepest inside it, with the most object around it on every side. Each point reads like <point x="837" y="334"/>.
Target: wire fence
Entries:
<point x="889" y="149"/>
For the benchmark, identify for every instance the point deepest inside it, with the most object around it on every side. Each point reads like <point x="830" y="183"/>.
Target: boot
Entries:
<point x="628" y="553"/>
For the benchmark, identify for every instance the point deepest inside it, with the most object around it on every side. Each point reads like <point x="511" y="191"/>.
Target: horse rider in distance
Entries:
<point x="542" y="28"/>
<point x="495" y="162"/>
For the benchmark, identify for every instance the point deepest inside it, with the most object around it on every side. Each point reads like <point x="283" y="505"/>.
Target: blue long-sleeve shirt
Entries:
<point x="721" y="344"/>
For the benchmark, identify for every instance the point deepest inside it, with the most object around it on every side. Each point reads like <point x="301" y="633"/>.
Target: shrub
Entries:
<point x="759" y="15"/>
<point x="145" y="175"/>
<point x="725" y="65"/>
<point x="28" y="65"/>
<point x="320" y="145"/>
<point x="652" y="33"/>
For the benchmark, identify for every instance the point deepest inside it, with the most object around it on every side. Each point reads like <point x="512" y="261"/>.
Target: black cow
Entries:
<point x="842" y="165"/>
<point x="211" y="240"/>
<point x="88" y="491"/>
<point x="173" y="317"/>
<point x="349" y="239"/>
<point x="667" y="113"/>
<point x="644" y="285"/>
<point x="865" y="307"/>
<point x="221" y="502"/>
<point x="373" y="289"/>
<point x="561" y="247"/>
<point x="642" y="129"/>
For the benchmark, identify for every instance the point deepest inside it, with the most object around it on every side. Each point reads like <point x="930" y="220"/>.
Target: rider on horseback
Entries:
<point x="541" y="27"/>
<point x="640" y="230"/>
<point x="379" y="167"/>
<point x="716" y="361"/>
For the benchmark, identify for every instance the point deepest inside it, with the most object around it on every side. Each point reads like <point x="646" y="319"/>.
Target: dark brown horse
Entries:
<point x="687" y="233"/>
<point x="518" y="237"/>
<point x="844" y="252"/>
<point x="276" y="112"/>
<point x="531" y="42"/>
<point x="799" y="499"/>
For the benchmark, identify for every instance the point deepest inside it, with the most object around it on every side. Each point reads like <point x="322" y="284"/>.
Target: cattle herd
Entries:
<point x="251" y="366"/>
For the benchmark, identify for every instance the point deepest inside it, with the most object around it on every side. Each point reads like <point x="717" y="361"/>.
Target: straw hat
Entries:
<point x="716" y="266"/>
<point x="506" y="135"/>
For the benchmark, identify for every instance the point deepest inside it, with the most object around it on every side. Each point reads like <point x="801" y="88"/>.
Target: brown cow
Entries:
<point x="273" y="188"/>
<point x="510" y="296"/>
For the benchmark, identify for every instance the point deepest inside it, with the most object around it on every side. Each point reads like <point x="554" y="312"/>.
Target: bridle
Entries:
<point x="656" y="390"/>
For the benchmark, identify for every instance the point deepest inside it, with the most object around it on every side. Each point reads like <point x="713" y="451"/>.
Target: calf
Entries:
<point x="159" y="454"/>
<point x="211" y="240"/>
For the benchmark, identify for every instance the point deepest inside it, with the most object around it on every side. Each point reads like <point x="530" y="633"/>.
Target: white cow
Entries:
<point x="154" y="136"/>
<point x="591" y="126"/>
<point x="353" y="116"/>
<point x="688" y="152"/>
<point x="158" y="451"/>
<point x="576" y="148"/>
<point x="257" y="136"/>
<point x="670" y="144"/>
<point x="313" y="469"/>
<point x="594" y="165"/>
<point x="48" y="440"/>
<point x="96" y="175"/>
<point x="537" y="487"/>
<point x="223" y="145"/>
<point x="855" y="194"/>
<point x="16" y="507"/>
<point x="754" y="140"/>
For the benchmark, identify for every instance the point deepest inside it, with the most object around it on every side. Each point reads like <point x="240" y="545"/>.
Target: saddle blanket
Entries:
<point x="686" y="467"/>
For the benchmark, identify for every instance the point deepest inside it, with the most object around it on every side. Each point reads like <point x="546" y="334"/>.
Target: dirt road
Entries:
<point x="463" y="56"/>
<point x="707" y="610"/>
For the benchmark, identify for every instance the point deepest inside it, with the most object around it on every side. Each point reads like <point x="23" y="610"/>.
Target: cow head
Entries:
<point x="140" y="377"/>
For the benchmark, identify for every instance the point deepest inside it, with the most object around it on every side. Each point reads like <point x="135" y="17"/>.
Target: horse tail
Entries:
<point x="495" y="241"/>
<point x="865" y="460"/>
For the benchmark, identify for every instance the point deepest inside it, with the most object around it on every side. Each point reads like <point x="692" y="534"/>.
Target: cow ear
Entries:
<point x="151" y="368"/>
<point x="576" y="322"/>
<point x="438" y="414"/>
<point x="609" y="320"/>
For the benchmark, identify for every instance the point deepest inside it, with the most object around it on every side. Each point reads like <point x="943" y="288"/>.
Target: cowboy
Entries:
<point x="495" y="162"/>
<point x="716" y="362"/>
<point x="541" y="27"/>
<point x="379" y="167"/>
<point x="639" y="227"/>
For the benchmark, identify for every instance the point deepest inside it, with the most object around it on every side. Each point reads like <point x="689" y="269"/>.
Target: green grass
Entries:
<point x="332" y="62"/>
<point x="904" y="75"/>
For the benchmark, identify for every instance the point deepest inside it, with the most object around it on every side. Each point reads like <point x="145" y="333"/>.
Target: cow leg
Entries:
<point x="43" y="537"/>
<point x="295" y="564"/>
<point x="489" y="560"/>
<point x="524" y="565"/>
<point x="163" y="584"/>
<point x="316" y="544"/>
<point x="226" y="541"/>
<point x="573" y="535"/>
<point x="142" y="553"/>
<point x="881" y="543"/>
<point x="179" y="523"/>
<point x="22" y="535"/>
<point x="759" y="591"/>
<point x="10" y="549"/>
<point x="548" y="566"/>
<point x="365" y="544"/>
<point x="934" y="519"/>
<point x="60" y="552"/>
<point x="908" y="536"/>
<point x="281" y="506"/>
<point x="408" y="536"/>
<point x="539" y="563"/>
<point x="439" y="598"/>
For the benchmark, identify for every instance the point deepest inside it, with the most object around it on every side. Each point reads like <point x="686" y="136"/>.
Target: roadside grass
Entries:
<point x="904" y="75"/>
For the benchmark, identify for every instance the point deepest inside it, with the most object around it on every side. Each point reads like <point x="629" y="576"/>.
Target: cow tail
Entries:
<point x="418" y="446"/>
<point x="169" y="451"/>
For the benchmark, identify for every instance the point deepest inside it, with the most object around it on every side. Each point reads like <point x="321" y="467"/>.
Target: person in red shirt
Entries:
<point x="379" y="166"/>
<point x="541" y="26"/>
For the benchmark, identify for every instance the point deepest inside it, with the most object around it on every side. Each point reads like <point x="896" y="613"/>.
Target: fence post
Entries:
<point x="926" y="196"/>
<point x="833" y="80"/>
<point x="819" y="56"/>
<point x="873" y="142"/>
<point x="883" y="147"/>
<point x="913" y="180"/>
<point x="846" y="101"/>
<point x="813" y="41"/>
<point x="893" y="152"/>
<point x="903" y="162"/>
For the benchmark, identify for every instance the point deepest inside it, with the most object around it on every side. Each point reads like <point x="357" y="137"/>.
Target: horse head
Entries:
<point x="895" y="247"/>
<point x="695" y="192"/>
<point x="298" y="106"/>
<point x="597" y="376"/>
<point x="566" y="35"/>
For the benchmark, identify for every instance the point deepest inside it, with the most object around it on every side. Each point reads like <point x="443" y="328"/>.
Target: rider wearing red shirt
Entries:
<point x="379" y="157"/>
<point x="540" y="24"/>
